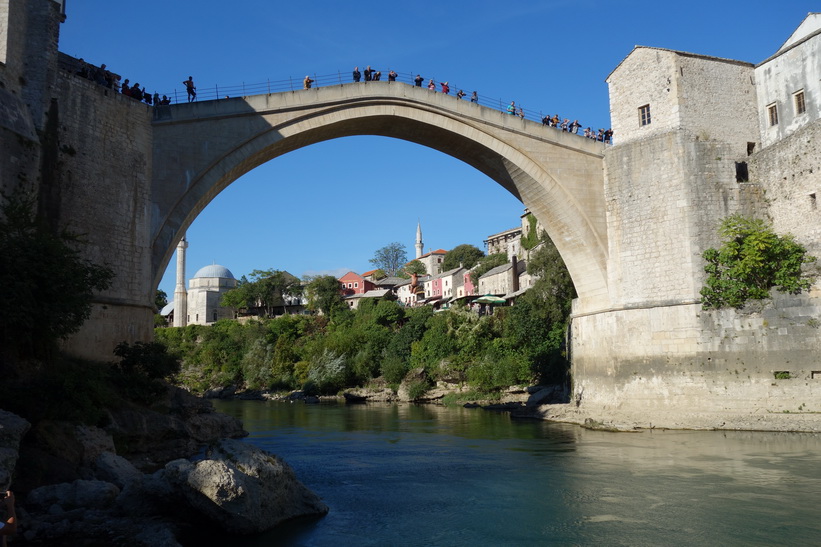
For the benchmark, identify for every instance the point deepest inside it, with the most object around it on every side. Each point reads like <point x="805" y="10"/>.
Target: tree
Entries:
<point x="323" y="294"/>
<point x="45" y="285"/>
<point x="390" y="258"/>
<point x="752" y="260"/>
<point x="536" y="324"/>
<point x="378" y="274"/>
<point x="486" y="264"/>
<point x="160" y="300"/>
<point x="467" y="255"/>
<point x="415" y="266"/>
<point x="265" y="290"/>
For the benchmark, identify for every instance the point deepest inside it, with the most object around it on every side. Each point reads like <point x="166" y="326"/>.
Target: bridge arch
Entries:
<point x="557" y="176"/>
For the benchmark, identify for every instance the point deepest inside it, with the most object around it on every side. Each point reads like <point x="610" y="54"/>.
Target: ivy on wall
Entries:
<point x="531" y="238"/>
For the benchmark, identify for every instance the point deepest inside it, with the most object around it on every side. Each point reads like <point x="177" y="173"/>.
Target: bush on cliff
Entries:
<point x="142" y="368"/>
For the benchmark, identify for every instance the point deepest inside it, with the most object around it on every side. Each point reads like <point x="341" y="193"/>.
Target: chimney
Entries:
<point x="514" y="269"/>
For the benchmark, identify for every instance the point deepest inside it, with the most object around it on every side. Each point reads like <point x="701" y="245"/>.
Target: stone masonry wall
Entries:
<point x="790" y="173"/>
<point x="718" y="101"/>
<point x="665" y="197"/>
<point x="759" y="360"/>
<point x="655" y="69"/>
<point x="104" y="183"/>
<point x="712" y="98"/>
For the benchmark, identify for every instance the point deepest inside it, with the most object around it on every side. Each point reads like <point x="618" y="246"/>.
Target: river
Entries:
<point x="432" y="475"/>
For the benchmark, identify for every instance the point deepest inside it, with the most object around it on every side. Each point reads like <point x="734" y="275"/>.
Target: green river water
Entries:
<point x="431" y="475"/>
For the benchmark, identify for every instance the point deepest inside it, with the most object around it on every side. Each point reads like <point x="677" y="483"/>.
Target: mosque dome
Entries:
<point x="214" y="270"/>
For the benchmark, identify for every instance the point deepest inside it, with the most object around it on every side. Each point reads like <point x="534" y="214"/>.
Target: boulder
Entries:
<point x="176" y="427"/>
<point x="547" y="395"/>
<point x="369" y="395"/>
<point x="242" y="488"/>
<point x="80" y="494"/>
<point x="412" y="378"/>
<point x="12" y="430"/>
<point x="115" y="469"/>
<point x="93" y="442"/>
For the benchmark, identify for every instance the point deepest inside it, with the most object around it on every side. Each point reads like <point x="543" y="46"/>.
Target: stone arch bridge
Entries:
<point x="201" y="148"/>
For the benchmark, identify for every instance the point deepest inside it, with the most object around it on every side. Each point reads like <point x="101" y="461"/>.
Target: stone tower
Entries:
<point x="419" y="246"/>
<point x="180" y="295"/>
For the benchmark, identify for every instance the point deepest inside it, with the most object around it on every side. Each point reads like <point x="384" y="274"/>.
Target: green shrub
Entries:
<point x="257" y="365"/>
<point x="751" y="261"/>
<point x="394" y="369"/>
<point x="141" y="367"/>
<point x="45" y="284"/>
<point x="68" y="389"/>
<point x="417" y="388"/>
<point x="329" y="372"/>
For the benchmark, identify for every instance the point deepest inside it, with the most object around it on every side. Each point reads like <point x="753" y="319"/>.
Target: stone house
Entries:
<point x="503" y="280"/>
<point x="433" y="261"/>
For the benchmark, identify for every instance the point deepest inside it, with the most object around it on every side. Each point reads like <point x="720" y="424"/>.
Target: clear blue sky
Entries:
<point x="549" y="55"/>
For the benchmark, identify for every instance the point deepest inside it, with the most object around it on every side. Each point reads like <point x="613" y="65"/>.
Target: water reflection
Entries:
<point x="411" y="475"/>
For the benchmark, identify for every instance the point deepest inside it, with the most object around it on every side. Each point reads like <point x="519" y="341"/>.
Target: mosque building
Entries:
<point x="200" y="304"/>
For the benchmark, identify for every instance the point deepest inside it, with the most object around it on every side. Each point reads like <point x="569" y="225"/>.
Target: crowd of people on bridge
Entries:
<point x="372" y="75"/>
<point x="603" y="135"/>
<point x="104" y="77"/>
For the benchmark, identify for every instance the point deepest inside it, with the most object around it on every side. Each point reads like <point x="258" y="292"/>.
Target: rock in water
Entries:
<point x="243" y="489"/>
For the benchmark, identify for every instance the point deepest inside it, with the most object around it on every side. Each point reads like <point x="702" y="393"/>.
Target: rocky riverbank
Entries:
<point x="549" y="403"/>
<point x="149" y="477"/>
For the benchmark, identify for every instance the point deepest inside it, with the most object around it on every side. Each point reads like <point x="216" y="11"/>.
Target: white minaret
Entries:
<point x="419" y="245"/>
<point x="180" y="294"/>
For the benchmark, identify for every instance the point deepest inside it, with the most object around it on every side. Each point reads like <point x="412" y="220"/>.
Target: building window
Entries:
<point x="772" y="114"/>
<point x="800" y="106"/>
<point x="215" y="315"/>
<point x="356" y="285"/>
<point x="644" y="115"/>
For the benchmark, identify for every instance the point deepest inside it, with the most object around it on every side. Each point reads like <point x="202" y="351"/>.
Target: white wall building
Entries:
<point x="205" y="292"/>
<point x="789" y="83"/>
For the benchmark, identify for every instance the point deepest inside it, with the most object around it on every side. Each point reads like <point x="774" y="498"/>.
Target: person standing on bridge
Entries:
<point x="418" y="80"/>
<point x="306" y="83"/>
<point x="190" y="88"/>
<point x="460" y="94"/>
<point x="356" y="74"/>
<point x="431" y="85"/>
<point x="368" y="74"/>
<point x="445" y="88"/>
<point x="392" y="76"/>
<point x="511" y="108"/>
<point x="474" y="97"/>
